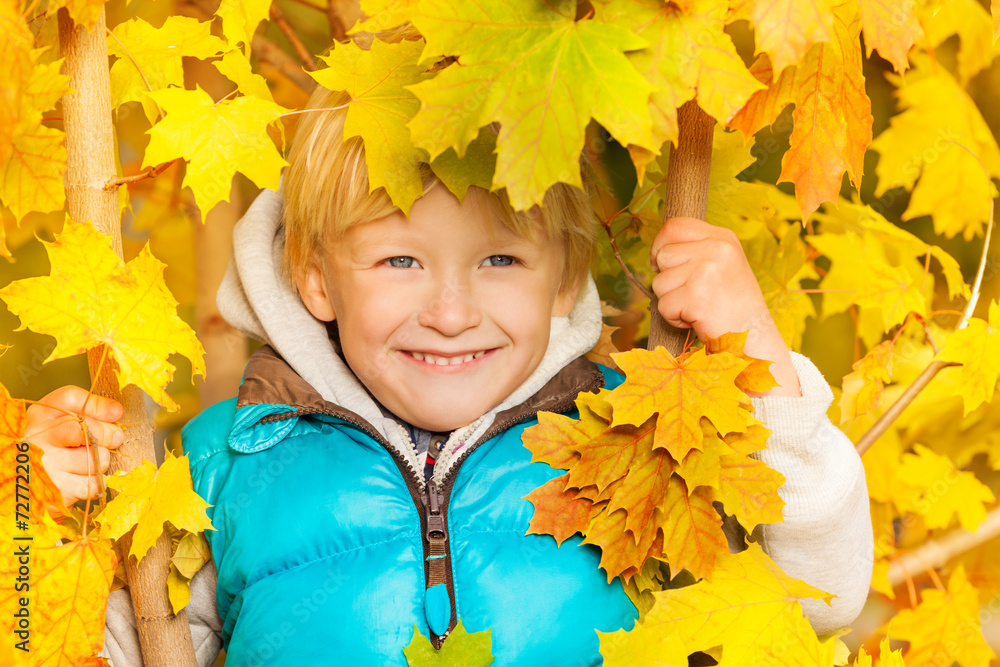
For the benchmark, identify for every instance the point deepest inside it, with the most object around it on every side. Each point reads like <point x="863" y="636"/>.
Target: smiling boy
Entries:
<point x="370" y="475"/>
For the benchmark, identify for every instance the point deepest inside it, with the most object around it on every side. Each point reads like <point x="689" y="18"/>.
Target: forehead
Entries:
<point x="438" y="218"/>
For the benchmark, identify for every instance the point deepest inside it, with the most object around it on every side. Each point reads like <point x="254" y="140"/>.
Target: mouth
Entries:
<point x="446" y="359"/>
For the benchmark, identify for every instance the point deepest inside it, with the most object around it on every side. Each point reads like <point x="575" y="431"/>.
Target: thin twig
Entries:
<point x="293" y="113"/>
<point x="152" y="172"/>
<point x="896" y="409"/>
<point x="935" y="553"/>
<point x="286" y="28"/>
<point x="338" y="31"/>
<point x="621" y="262"/>
<point x="971" y="307"/>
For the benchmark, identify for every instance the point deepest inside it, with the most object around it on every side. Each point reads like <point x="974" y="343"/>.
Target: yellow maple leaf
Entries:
<point x="681" y="391"/>
<point x="786" y="29"/>
<point x="971" y="22"/>
<point x="234" y="66"/>
<point x="543" y="96"/>
<point x="756" y="376"/>
<point x="217" y="139"/>
<point x="380" y="106"/>
<point x="942" y="491"/>
<point x="861" y="273"/>
<point x="16" y="42"/>
<point x="148" y="497"/>
<point x="69" y="586"/>
<point x="832" y="116"/>
<point x="240" y="19"/>
<point x="382" y="14"/>
<point x="557" y="439"/>
<point x="926" y="140"/>
<point x="863" y="386"/>
<point x="886" y="656"/>
<point x="977" y="348"/>
<point x="890" y="28"/>
<point x="874" y="230"/>
<point x="689" y="57"/>
<point x="604" y="348"/>
<point x="750" y="608"/>
<point x="31" y="176"/>
<point x="748" y="490"/>
<point x="945" y="627"/>
<point x="84" y="12"/>
<point x="149" y="58"/>
<point x="646" y="645"/>
<point x="692" y="530"/>
<point x="91" y="298"/>
<point x="995" y="10"/>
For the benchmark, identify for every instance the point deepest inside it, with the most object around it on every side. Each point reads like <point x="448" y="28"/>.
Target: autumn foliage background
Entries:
<point x="872" y="285"/>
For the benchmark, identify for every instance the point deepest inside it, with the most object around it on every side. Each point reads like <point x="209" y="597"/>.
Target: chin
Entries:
<point x="440" y="421"/>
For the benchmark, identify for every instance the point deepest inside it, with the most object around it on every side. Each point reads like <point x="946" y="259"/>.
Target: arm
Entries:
<point x="826" y="538"/>
<point x="121" y="640"/>
<point x="705" y="283"/>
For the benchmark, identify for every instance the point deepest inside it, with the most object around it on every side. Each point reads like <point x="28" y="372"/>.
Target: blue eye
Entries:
<point x="402" y="262"/>
<point x="499" y="260"/>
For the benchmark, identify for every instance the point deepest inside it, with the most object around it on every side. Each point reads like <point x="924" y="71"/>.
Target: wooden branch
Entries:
<point x="686" y="196"/>
<point x="141" y="176"/>
<point x="286" y="28"/>
<point x="338" y="30"/>
<point x="165" y="639"/>
<point x="896" y="409"/>
<point x="935" y="553"/>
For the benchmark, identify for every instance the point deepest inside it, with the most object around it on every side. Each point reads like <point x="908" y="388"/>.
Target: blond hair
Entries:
<point x="326" y="192"/>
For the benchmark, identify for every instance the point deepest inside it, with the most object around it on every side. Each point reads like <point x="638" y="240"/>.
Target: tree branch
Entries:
<point x="152" y="172"/>
<point x="935" y="553"/>
<point x="286" y="28"/>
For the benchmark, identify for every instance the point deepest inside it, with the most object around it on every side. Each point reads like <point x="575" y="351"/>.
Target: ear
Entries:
<point x="566" y="298"/>
<point x="312" y="290"/>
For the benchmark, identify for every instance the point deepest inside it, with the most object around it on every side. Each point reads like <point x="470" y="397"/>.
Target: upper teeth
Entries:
<point x="446" y="361"/>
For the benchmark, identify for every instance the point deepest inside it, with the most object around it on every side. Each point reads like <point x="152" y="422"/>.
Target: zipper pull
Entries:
<point x="436" y="527"/>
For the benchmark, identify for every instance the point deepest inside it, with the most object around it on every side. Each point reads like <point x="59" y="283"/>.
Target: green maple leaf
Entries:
<point x="460" y="649"/>
<point x="539" y="72"/>
<point x="217" y="140"/>
<point x="158" y="52"/>
<point x="379" y="109"/>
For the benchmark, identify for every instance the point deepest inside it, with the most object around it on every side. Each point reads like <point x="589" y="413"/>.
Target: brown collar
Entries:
<point x="268" y="379"/>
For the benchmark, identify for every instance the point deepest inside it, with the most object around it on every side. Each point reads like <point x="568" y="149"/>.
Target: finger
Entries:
<point x="675" y="254"/>
<point x="78" y="400"/>
<point x="67" y="431"/>
<point x="680" y="230"/>
<point x="79" y="487"/>
<point x="76" y="460"/>
<point x="671" y="279"/>
<point x="675" y="308"/>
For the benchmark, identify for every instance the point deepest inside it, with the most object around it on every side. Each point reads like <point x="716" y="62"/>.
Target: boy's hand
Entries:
<point x="61" y="439"/>
<point x="705" y="283"/>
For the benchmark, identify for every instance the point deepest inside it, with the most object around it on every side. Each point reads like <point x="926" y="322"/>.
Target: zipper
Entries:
<point x="435" y="500"/>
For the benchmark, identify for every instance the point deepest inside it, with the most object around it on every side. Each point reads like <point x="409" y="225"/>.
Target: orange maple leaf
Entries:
<point x="756" y="376"/>
<point x="558" y="513"/>
<point x="693" y="536"/>
<point x="832" y="117"/>
<point x="71" y="585"/>
<point x="681" y="391"/>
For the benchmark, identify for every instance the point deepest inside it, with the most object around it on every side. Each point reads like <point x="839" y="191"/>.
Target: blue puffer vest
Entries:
<point x="323" y="535"/>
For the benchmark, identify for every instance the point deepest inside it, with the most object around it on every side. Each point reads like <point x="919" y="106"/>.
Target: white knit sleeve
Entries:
<point x="121" y="639"/>
<point x="826" y="538"/>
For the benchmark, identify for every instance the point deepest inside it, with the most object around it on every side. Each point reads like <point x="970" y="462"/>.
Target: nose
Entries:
<point x="451" y="311"/>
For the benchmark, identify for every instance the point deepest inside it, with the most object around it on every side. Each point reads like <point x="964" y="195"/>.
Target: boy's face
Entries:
<point x="441" y="316"/>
